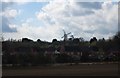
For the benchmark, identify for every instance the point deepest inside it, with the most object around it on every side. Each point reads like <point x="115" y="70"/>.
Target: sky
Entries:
<point x="45" y="20"/>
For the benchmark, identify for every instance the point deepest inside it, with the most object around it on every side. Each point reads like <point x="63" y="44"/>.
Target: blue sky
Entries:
<point x="27" y="10"/>
<point x="46" y="20"/>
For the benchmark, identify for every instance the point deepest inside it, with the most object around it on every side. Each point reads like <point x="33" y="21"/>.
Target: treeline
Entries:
<point x="29" y="52"/>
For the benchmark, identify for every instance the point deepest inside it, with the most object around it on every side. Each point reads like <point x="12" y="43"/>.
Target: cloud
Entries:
<point x="6" y="5"/>
<point x="33" y="32"/>
<point x="57" y="0"/>
<point x="7" y="14"/>
<point x="10" y="13"/>
<point x="82" y="19"/>
<point x="24" y="1"/>
<point x="90" y="5"/>
<point x="44" y="17"/>
<point x="6" y="26"/>
<point x="98" y="18"/>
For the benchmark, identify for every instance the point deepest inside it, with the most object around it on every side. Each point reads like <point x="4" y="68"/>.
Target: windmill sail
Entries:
<point x="65" y="35"/>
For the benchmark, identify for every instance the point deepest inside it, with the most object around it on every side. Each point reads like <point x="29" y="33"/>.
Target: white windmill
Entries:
<point x="65" y="35"/>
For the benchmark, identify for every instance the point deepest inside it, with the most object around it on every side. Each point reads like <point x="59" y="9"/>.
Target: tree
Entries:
<point x="116" y="40"/>
<point x="54" y="40"/>
<point x="38" y="40"/>
<point x="55" y="43"/>
<point x="93" y="41"/>
<point x="76" y="41"/>
<point x="81" y="39"/>
<point x="26" y="40"/>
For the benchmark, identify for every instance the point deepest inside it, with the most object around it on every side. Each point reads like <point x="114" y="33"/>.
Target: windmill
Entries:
<point x="65" y="35"/>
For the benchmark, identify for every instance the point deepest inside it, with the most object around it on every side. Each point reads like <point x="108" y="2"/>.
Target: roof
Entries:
<point x="77" y="48"/>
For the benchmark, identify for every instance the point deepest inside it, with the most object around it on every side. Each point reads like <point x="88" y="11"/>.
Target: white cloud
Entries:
<point x="8" y="14"/>
<point x="16" y="0"/>
<point x="58" y="0"/>
<point x="72" y="17"/>
<point x="42" y="16"/>
<point x="12" y="26"/>
<point x="11" y="13"/>
<point x="33" y="32"/>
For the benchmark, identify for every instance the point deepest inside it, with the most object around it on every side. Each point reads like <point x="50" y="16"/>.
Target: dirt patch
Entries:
<point x="66" y="70"/>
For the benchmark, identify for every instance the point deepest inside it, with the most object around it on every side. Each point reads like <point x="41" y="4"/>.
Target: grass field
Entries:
<point x="64" y="70"/>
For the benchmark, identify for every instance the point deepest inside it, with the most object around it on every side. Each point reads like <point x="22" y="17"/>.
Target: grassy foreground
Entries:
<point x="64" y="70"/>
